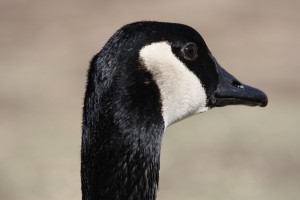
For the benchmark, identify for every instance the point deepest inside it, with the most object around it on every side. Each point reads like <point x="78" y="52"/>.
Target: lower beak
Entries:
<point x="232" y="92"/>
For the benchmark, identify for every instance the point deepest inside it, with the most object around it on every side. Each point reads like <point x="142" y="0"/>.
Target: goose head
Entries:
<point x="148" y="76"/>
<point x="189" y="78"/>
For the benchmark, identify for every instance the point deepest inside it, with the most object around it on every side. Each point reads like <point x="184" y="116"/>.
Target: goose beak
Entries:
<point x="232" y="92"/>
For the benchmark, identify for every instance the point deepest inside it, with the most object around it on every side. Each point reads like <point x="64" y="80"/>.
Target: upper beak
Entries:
<point x="232" y="92"/>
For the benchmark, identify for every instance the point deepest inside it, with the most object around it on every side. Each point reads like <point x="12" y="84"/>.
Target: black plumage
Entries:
<point x="122" y="115"/>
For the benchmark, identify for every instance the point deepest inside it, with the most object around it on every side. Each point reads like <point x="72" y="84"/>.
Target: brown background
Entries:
<point x="229" y="153"/>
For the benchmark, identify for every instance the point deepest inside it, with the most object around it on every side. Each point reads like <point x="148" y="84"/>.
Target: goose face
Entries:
<point x="189" y="78"/>
<point x="147" y="76"/>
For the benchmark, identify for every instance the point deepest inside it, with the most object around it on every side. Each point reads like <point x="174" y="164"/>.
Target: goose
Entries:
<point x="148" y="76"/>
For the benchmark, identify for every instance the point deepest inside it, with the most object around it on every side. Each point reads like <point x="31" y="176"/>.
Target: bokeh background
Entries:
<point x="229" y="153"/>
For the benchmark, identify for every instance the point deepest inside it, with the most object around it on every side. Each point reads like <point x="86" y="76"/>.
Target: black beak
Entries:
<point x="232" y="92"/>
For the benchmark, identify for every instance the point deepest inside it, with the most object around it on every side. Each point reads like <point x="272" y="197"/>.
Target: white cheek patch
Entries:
<point x="181" y="91"/>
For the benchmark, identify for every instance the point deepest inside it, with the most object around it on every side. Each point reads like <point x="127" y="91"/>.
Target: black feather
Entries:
<point x="122" y="120"/>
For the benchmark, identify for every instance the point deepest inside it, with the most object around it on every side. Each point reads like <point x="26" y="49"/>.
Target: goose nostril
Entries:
<point x="237" y="84"/>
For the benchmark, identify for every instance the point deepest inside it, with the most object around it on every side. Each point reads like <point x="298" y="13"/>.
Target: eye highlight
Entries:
<point x="190" y="51"/>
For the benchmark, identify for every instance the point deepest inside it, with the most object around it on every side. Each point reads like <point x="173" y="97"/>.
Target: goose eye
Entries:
<point x="190" y="51"/>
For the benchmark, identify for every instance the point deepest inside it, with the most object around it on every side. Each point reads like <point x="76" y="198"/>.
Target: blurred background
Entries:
<point x="229" y="153"/>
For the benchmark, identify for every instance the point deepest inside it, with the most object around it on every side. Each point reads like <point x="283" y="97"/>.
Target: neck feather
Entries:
<point x="119" y="168"/>
<point x="121" y="136"/>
